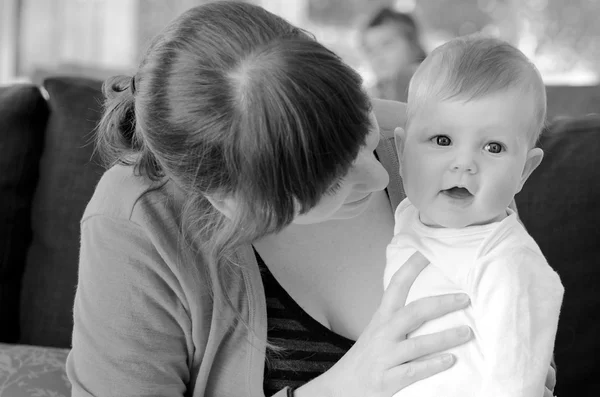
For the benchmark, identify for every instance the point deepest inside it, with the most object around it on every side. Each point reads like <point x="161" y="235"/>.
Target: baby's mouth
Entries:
<point x="459" y="193"/>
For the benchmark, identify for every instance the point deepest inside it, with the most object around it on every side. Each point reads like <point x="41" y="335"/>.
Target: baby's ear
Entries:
<point x="399" y="138"/>
<point x="534" y="159"/>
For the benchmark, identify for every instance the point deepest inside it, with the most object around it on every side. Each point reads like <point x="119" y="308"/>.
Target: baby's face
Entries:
<point x="463" y="162"/>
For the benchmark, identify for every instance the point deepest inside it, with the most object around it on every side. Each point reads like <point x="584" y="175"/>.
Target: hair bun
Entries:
<point x="116" y="85"/>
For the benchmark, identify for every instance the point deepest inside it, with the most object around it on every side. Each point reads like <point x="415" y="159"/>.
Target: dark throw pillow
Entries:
<point x="572" y="101"/>
<point x="560" y="206"/>
<point x="23" y="116"/>
<point x="68" y="176"/>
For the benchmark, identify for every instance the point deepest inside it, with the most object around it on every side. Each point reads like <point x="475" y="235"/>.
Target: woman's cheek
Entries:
<point x="377" y="177"/>
<point x="384" y="178"/>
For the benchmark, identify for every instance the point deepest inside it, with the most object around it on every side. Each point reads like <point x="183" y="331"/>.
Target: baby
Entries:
<point x="476" y="107"/>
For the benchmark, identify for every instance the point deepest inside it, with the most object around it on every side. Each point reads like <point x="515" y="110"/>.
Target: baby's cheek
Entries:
<point x="415" y="174"/>
<point x="501" y="195"/>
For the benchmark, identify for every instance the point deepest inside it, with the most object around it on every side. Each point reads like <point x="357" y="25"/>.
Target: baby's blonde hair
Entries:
<point x="471" y="67"/>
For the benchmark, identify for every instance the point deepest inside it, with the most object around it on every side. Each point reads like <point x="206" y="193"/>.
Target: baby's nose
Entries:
<point x="464" y="163"/>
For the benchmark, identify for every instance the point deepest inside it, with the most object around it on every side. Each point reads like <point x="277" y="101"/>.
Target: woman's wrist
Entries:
<point x="317" y="387"/>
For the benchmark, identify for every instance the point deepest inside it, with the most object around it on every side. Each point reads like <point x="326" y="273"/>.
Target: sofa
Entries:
<point x="48" y="171"/>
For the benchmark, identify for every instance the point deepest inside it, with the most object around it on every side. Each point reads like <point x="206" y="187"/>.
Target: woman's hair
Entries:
<point x="230" y="100"/>
<point x="406" y="25"/>
<point x="473" y="66"/>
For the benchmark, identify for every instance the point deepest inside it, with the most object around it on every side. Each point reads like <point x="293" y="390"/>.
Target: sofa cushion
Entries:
<point x="560" y="206"/>
<point x="68" y="175"/>
<point x="29" y="371"/>
<point x="23" y="116"/>
<point x="572" y="101"/>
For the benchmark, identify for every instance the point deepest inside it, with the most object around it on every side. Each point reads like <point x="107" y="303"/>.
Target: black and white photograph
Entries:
<point x="299" y="198"/>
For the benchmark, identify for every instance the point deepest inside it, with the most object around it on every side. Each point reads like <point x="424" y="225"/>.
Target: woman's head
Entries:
<point x="350" y="195"/>
<point x="235" y="105"/>
<point x="391" y="42"/>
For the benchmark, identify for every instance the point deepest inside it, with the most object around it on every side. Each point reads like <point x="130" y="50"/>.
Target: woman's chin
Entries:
<point x="345" y="211"/>
<point x="351" y="210"/>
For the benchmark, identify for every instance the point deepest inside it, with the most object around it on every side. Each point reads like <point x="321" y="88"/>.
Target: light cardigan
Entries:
<point x="144" y="321"/>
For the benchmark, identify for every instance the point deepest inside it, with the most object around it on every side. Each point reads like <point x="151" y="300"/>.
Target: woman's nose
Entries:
<point x="369" y="175"/>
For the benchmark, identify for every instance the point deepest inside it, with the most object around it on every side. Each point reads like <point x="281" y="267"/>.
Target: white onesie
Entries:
<point x="515" y="303"/>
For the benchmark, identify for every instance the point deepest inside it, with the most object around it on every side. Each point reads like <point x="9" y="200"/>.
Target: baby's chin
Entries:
<point x="444" y="223"/>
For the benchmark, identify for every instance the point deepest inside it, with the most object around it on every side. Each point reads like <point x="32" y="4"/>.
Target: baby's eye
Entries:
<point x="441" y="140"/>
<point x="494" y="147"/>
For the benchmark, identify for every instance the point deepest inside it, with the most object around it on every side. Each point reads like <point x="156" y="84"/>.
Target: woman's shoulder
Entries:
<point x="150" y="210"/>
<point x="135" y="220"/>
<point x="390" y="115"/>
<point x="121" y="193"/>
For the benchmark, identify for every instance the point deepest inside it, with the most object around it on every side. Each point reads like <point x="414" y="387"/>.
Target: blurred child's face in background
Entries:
<point x="463" y="162"/>
<point x="387" y="50"/>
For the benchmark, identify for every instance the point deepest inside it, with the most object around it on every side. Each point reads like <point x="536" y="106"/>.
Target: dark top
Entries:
<point x="307" y="347"/>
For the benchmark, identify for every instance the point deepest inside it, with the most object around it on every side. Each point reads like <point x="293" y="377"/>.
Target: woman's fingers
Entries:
<point x="551" y="379"/>
<point x="406" y="374"/>
<point x="382" y="361"/>
<point x="420" y="346"/>
<point x="395" y="295"/>
<point x="413" y="315"/>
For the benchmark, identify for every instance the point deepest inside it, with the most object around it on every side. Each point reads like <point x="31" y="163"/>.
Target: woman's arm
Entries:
<point x="128" y="335"/>
<point x="389" y="115"/>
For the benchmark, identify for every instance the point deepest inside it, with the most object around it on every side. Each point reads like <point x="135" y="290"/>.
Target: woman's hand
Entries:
<point x="550" y="382"/>
<point x="383" y="361"/>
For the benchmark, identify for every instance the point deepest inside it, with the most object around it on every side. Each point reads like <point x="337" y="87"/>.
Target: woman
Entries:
<point x="240" y="233"/>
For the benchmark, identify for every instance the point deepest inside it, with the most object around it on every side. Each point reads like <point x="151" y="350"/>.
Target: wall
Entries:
<point x="8" y="40"/>
<point x="63" y="35"/>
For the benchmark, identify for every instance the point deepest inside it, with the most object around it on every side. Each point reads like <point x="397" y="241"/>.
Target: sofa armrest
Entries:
<point x="29" y="371"/>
